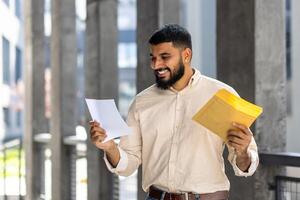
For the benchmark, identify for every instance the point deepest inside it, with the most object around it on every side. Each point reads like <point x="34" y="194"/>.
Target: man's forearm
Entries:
<point x="243" y="161"/>
<point x="113" y="156"/>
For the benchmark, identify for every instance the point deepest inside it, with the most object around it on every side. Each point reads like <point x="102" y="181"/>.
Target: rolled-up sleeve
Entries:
<point x="252" y="150"/>
<point x="122" y="165"/>
<point x="130" y="147"/>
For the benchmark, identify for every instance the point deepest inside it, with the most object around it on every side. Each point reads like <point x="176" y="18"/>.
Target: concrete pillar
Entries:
<point x="169" y="12"/>
<point x="150" y="16"/>
<point x="63" y="94"/>
<point x="147" y="22"/>
<point x="35" y="121"/>
<point x="251" y="58"/>
<point x="294" y="118"/>
<point x="101" y="81"/>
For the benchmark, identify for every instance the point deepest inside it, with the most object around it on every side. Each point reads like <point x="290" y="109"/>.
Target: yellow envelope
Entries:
<point x="224" y="108"/>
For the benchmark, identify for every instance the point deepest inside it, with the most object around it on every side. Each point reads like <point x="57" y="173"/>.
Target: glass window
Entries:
<point x="18" y="8"/>
<point x="18" y="65"/>
<point x="6" y="116"/>
<point x="19" y="118"/>
<point x="127" y="55"/>
<point x="6" y="61"/>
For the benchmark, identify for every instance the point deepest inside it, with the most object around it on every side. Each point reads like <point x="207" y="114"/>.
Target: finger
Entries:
<point x="94" y="123"/>
<point x="98" y="138"/>
<point x="101" y="139"/>
<point x="242" y="127"/>
<point x="96" y="130"/>
<point x="236" y="140"/>
<point x="233" y="144"/>
<point x="236" y="146"/>
<point x="99" y="129"/>
<point x="95" y="138"/>
<point x="236" y="133"/>
<point x="92" y="131"/>
<point x="97" y="133"/>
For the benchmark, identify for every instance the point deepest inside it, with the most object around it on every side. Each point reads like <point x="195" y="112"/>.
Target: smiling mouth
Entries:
<point x="162" y="71"/>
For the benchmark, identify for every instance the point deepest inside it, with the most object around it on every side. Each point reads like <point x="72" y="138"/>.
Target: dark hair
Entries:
<point x="174" y="33"/>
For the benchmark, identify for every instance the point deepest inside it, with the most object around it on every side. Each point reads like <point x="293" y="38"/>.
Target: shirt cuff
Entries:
<point x="122" y="165"/>
<point x="252" y="168"/>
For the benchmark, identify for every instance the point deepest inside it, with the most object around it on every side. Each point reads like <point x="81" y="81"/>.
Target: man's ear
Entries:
<point x="186" y="55"/>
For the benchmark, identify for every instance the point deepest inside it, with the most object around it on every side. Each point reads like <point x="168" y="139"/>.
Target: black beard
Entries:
<point x="162" y="84"/>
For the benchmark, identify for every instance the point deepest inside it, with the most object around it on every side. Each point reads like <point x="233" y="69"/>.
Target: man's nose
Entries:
<point x="157" y="64"/>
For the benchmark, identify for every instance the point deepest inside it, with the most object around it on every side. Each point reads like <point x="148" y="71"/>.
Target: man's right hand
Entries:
<point x="98" y="135"/>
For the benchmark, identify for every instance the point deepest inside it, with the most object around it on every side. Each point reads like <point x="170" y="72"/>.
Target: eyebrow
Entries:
<point x="162" y="54"/>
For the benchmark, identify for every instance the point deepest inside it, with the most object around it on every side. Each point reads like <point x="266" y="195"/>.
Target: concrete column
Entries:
<point x="150" y="16"/>
<point x="147" y="22"/>
<point x="35" y="121"/>
<point x="294" y="118"/>
<point x="101" y="81"/>
<point x="251" y="58"/>
<point x="169" y="12"/>
<point x="63" y="94"/>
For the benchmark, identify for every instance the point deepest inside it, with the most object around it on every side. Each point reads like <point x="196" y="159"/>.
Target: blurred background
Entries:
<point x="54" y="53"/>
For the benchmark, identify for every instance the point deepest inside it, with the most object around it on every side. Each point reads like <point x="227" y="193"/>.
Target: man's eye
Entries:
<point x="165" y="57"/>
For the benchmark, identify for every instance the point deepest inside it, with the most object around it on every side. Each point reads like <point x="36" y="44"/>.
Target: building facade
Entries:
<point x="199" y="17"/>
<point x="11" y="66"/>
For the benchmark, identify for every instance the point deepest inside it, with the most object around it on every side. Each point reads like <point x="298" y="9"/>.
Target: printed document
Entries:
<point x="106" y="113"/>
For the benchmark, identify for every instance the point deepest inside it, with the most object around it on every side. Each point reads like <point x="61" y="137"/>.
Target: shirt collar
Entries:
<point x="193" y="80"/>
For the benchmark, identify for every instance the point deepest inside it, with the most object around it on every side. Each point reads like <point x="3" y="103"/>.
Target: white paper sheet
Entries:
<point x="106" y="113"/>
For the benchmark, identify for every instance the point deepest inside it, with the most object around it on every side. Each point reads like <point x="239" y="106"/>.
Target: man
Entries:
<point x="180" y="158"/>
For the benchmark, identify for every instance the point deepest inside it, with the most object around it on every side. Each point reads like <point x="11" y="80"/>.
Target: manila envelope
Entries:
<point x="223" y="109"/>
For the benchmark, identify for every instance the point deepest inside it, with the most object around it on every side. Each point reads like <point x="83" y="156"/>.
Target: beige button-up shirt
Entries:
<point x="177" y="154"/>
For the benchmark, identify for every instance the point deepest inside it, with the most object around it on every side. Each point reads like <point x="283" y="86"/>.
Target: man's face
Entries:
<point x="166" y="61"/>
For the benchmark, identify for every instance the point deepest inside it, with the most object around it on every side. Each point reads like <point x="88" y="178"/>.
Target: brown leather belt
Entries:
<point x="157" y="194"/>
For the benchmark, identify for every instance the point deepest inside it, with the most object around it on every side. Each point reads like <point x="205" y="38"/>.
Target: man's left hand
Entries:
<point x="239" y="138"/>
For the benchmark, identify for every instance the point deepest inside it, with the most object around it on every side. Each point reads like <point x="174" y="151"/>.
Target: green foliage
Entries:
<point x="11" y="163"/>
